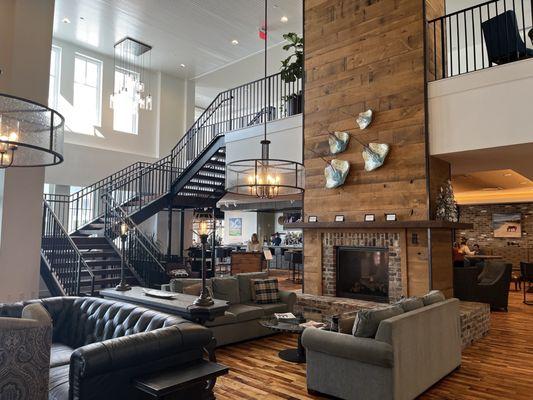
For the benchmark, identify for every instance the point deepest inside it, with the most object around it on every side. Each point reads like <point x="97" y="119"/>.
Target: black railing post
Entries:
<point x="78" y="275"/>
<point x="443" y="48"/>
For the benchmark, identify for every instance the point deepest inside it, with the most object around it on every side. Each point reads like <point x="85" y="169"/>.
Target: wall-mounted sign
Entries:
<point x="339" y="218"/>
<point x="370" y="217"/>
<point x="390" y="217"/>
<point x="312" y="218"/>
<point x="235" y="226"/>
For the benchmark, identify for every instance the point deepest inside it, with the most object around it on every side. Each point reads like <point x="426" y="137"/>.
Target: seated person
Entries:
<point x="464" y="249"/>
<point x="457" y="256"/>
<point x="478" y="251"/>
<point x="277" y="240"/>
<point x="253" y="244"/>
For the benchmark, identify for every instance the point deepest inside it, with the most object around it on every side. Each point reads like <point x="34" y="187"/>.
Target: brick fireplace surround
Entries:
<point x="332" y="240"/>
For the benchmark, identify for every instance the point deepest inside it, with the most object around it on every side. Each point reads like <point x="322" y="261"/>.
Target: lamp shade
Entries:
<point x="265" y="178"/>
<point x="203" y="223"/>
<point x="31" y="134"/>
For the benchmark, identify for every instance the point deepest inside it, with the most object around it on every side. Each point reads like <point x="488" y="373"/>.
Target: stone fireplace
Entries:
<point x="367" y="245"/>
<point x="362" y="273"/>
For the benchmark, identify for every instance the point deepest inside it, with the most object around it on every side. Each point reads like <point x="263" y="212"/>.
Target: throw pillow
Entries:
<point x="245" y="284"/>
<point x="367" y="321"/>
<point x="435" y="296"/>
<point x="226" y="289"/>
<point x="410" y="303"/>
<point x="266" y="291"/>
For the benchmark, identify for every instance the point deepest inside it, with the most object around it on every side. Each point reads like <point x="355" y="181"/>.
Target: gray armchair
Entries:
<point x="25" y="354"/>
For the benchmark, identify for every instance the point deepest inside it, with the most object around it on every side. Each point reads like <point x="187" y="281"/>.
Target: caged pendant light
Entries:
<point x="265" y="177"/>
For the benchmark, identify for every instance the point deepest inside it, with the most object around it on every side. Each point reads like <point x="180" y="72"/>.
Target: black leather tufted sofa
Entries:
<point x="99" y="345"/>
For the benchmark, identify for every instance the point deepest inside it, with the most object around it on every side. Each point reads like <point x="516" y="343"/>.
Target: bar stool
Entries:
<point x="526" y="268"/>
<point x="297" y="260"/>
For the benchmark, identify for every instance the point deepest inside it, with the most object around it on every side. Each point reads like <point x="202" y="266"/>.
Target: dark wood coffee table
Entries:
<point x="191" y="381"/>
<point x="296" y="355"/>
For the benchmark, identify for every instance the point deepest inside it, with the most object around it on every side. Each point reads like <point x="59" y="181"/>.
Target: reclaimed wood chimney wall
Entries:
<point x="359" y="55"/>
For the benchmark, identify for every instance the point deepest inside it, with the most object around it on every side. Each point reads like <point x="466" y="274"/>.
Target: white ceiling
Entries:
<point x="197" y="33"/>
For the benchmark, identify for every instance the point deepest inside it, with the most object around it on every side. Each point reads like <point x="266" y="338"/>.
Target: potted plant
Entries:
<point x="292" y="69"/>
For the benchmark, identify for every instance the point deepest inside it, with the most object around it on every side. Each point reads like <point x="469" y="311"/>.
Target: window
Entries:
<point x="125" y="111"/>
<point x="55" y="77"/>
<point x="87" y="89"/>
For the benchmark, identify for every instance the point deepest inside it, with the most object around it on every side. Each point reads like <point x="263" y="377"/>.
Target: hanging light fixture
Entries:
<point x="264" y="177"/>
<point x="133" y="59"/>
<point x="31" y="135"/>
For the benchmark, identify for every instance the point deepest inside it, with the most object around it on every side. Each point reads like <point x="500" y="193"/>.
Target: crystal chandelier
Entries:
<point x="132" y="60"/>
<point x="264" y="177"/>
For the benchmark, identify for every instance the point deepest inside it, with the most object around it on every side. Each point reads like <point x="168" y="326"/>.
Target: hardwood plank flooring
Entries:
<point x="499" y="366"/>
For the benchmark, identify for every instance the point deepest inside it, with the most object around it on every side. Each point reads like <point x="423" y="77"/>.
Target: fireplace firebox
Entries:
<point x="363" y="273"/>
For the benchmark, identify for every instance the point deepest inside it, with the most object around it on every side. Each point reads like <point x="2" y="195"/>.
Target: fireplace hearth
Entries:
<point x="362" y="273"/>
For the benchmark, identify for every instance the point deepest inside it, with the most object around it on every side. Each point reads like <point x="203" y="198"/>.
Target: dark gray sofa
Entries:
<point x="241" y="320"/>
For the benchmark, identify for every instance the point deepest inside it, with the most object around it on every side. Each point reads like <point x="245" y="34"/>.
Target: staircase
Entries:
<point x="81" y="251"/>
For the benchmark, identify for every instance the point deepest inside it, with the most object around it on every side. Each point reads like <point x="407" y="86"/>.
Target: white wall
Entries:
<point x="483" y="109"/>
<point x="285" y="135"/>
<point x="98" y="152"/>
<point x="104" y="137"/>
<point x="232" y="75"/>
<point x="85" y="165"/>
<point x="26" y="31"/>
<point x="249" y="226"/>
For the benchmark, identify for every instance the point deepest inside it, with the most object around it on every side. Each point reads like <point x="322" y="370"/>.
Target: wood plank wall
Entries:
<point x="362" y="54"/>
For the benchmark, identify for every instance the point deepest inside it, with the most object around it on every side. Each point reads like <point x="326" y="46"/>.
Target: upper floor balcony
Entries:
<point x="481" y="77"/>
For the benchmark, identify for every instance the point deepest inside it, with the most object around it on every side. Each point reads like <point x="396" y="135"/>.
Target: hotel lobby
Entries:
<point x="266" y="199"/>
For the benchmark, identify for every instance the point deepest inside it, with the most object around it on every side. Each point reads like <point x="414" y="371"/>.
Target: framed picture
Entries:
<point x="507" y="225"/>
<point x="390" y="217"/>
<point x="370" y="217"/>
<point x="235" y="226"/>
<point x="312" y="218"/>
<point x="339" y="218"/>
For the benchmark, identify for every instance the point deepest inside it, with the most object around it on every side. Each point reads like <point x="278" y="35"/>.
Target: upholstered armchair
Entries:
<point x="490" y="286"/>
<point x="25" y="354"/>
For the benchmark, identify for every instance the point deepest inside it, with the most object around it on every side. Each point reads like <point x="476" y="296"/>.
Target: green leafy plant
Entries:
<point x="292" y="68"/>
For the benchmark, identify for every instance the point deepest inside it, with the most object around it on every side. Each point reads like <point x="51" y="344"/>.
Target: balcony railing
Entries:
<point x="478" y="37"/>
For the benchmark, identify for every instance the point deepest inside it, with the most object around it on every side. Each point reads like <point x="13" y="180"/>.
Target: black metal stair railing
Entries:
<point x="478" y="37"/>
<point x="80" y="208"/>
<point x="142" y="256"/>
<point x="61" y="255"/>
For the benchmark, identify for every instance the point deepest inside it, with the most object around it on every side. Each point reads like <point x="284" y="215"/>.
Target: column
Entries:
<point x="26" y="31"/>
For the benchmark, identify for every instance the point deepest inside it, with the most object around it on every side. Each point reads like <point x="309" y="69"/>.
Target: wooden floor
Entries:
<point x="497" y="367"/>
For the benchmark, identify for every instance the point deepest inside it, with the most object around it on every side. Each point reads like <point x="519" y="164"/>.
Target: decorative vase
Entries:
<point x="338" y="141"/>
<point x="336" y="172"/>
<point x="364" y="119"/>
<point x="374" y="155"/>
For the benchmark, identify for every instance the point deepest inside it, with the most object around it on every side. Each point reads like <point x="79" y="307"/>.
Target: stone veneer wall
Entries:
<point x="511" y="249"/>
<point x="391" y="241"/>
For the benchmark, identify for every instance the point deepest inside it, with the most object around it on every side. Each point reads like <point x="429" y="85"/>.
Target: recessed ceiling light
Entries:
<point x="507" y="174"/>
<point x="182" y="65"/>
<point x="284" y="19"/>
<point x="523" y="183"/>
<point x="66" y="20"/>
<point x="235" y="42"/>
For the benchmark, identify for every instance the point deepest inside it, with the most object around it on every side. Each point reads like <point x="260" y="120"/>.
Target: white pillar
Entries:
<point x="26" y="30"/>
